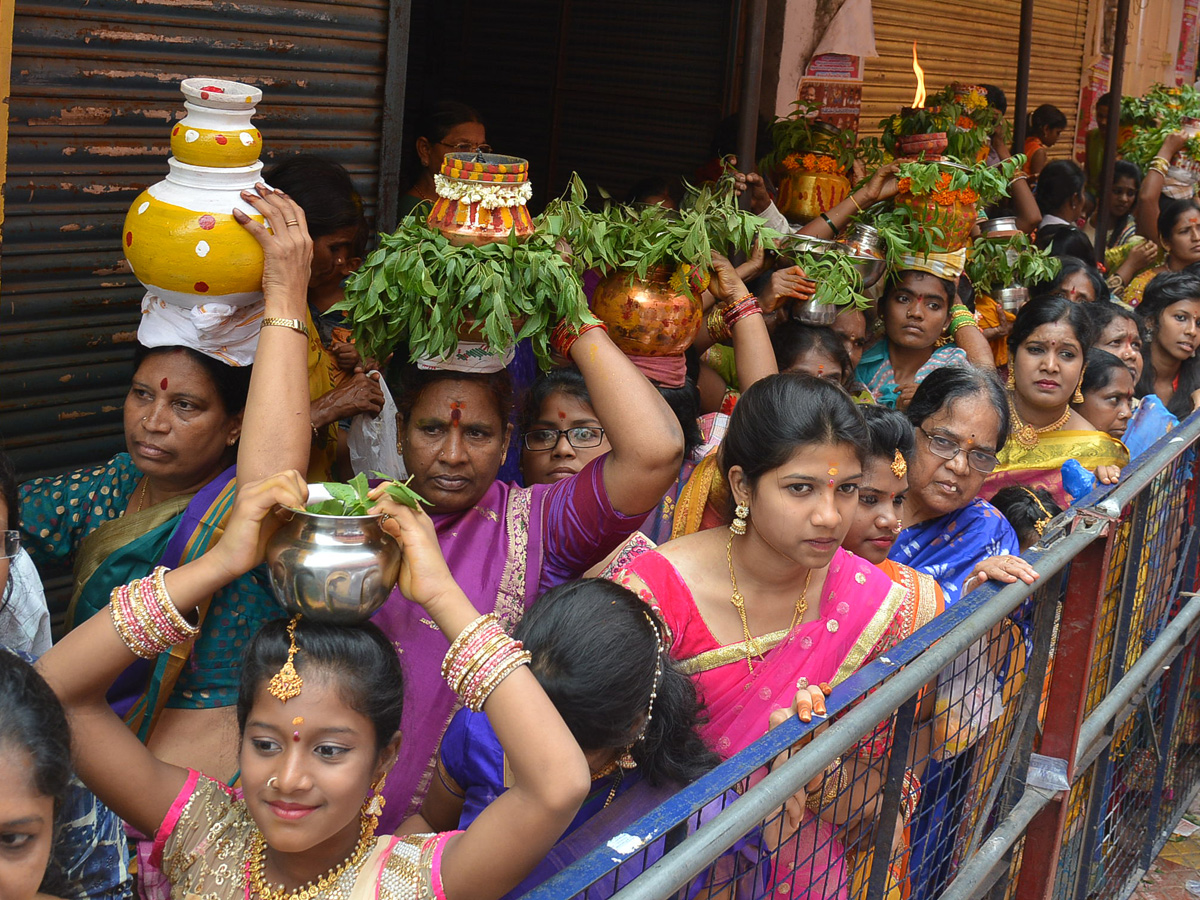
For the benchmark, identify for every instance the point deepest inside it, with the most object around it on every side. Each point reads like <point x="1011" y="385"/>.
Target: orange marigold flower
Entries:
<point x="905" y="185"/>
<point x="968" y="196"/>
<point x="809" y="162"/>
<point x="965" y="123"/>
<point x="791" y="162"/>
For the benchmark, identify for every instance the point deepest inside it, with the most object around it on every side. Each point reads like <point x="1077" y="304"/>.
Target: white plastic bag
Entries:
<point x="968" y="701"/>
<point x="373" y="440"/>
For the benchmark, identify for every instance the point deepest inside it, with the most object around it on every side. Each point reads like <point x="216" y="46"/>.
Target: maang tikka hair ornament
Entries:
<point x="286" y="683"/>
<point x="899" y="465"/>
<point x="626" y="760"/>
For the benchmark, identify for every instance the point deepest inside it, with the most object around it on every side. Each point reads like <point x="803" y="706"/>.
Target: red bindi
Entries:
<point x="562" y="415"/>
<point x="455" y="414"/>
<point x="163" y="384"/>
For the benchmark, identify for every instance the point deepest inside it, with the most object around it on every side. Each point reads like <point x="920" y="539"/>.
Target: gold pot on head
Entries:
<point x="650" y="316"/>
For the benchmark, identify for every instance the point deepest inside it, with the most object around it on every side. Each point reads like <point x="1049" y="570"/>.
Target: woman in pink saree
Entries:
<point x="765" y="612"/>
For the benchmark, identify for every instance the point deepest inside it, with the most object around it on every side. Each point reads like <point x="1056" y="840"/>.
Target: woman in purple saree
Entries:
<point x="506" y="544"/>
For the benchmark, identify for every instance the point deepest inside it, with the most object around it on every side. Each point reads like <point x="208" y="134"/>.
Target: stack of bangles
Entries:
<point x="145" y="618"/>
<point x="724" y="316"/>
<point x="1159" y="165"/>
<point x="479" y="659"/>
<point x="910" y="796"/>
<point x="960" y="316"/>
<point x="831" y="788"/>
<point x="1020" y="176"/>
<point x="564" y="336"/>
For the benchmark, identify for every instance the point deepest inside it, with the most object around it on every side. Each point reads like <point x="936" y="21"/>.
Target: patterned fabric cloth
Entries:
<point x="950" y="546"/>
<point x="204" y="840"/>
<point x="24" y="618"/>
<point x="59" y="512"/>
<point x="875" y="369"/>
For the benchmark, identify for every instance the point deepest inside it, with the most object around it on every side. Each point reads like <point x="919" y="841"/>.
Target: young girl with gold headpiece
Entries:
<point x="318" y="709"/>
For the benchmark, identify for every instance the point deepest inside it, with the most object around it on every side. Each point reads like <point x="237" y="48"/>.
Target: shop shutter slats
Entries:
<point x="974" y="42"/>
<point x="95" y="87"/>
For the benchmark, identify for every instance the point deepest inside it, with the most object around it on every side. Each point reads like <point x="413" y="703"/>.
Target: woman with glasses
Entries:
<point x="1048" y="347"/>
<point x="448" y="127"/>
<point x="961" y="419"/>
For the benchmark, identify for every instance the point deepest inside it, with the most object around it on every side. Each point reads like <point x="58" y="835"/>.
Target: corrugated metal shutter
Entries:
<point x="94" y="88"/>
<point x="975" y="41"/>
<point x="617" y="90"/>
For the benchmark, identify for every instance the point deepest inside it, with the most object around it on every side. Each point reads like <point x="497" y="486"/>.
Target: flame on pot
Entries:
<point x="919" y="96"/>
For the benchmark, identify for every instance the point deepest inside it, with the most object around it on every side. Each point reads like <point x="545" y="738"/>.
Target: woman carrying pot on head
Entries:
<point x="924" y="329"/>
<point x="447" y="127"/>
<point x="1171" y="371"/>
<point x="319" y="706"/>
<point x="1176" y="228"/>
<point x="507" y="544"/>
<point x="195" y="428"/>
<point x="1048" y="345"/>
<point x="803" y="611"/>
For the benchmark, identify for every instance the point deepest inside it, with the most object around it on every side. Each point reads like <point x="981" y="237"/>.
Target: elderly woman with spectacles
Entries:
<point x="961" y="419"/>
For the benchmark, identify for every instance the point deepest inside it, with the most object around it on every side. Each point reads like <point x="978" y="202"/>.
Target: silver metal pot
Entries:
<point x="998" y="227"/>
<point x="811" y="312"/>
<point x="1012" y="297"/>
<point x="332" y="568"/>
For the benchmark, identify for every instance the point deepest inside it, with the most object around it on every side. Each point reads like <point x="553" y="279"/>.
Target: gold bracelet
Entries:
<point x="855" y="202"/>
<point x="294" y="324"/>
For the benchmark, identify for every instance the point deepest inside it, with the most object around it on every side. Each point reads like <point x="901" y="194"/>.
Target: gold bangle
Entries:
<point x="855" y="202"/>
<point x="294" y="324"/>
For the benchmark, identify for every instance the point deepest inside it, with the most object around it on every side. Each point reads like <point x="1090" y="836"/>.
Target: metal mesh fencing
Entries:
<point x="1030" y="740"/>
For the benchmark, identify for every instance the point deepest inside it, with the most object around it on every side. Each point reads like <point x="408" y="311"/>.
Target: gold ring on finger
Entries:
<point x="291" y="222"/>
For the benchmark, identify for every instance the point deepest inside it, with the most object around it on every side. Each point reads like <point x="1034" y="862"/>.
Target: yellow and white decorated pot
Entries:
<point x="183" y="243"/>
<point x="216" y="130"/>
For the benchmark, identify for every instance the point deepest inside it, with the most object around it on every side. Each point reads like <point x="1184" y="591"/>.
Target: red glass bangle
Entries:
<point x="564" y="336"/>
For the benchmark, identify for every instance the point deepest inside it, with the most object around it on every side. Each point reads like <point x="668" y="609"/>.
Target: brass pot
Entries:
<point x="332" y="568"/>
<point x="804" y="195"/>
<point x="647" y="317"/>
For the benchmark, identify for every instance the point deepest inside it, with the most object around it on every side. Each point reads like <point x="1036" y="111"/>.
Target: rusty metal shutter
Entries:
<point x="975" y="41"/>
<point x="94" y="87"/>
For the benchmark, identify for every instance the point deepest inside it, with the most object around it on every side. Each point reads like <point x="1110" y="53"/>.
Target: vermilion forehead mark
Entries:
<point x="455" y="414"/>
<point x="163" y="384"/>
<point x="562" y="415"/>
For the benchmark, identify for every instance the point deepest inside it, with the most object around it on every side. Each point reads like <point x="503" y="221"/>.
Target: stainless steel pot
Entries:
<point x="332" y="568"/>
<point x="1012" y="297"/>
<point x="811" y="312"/>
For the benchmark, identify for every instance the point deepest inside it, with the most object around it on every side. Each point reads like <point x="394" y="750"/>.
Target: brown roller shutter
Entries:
<point x="94" y="88"/>
<point x="976" y="42"/>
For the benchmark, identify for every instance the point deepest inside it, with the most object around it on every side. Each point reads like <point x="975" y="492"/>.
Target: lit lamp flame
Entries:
<point x="919" y="96"/>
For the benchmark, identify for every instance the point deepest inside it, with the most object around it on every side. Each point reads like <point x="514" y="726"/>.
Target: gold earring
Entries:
<point x="626" y="760"/>
<point x="1078" y="398"/>
<point x="740" y="514"/>
<point x="375" y="803"/>
<point x="1011" y="384"/>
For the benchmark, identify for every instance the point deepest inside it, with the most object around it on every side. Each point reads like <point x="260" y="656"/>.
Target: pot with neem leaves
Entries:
<point x="332" y="561"/>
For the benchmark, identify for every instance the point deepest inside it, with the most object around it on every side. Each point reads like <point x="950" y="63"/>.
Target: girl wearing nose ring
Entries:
<point x="1048" y="344"/>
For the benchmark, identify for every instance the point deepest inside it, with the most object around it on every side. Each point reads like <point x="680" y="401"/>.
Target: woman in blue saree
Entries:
<point x="193" y="426"/>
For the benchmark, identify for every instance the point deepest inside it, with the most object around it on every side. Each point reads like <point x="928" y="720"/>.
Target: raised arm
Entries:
<point x="1146" y="211"/>
<point x="549" y="770"/>
<point x="81" y="667"/>
<point x="882" y="185"/>
<point x="748" y="331"/>
<point x="647" y="442"/>
<point x="276" y="430"/>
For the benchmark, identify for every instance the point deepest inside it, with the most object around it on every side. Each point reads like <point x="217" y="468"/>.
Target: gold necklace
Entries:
<point x="141" y="496"/>
<point x="739" y="603"/>
<point x="323" y="887"/>
<point x="1026" y="435"/>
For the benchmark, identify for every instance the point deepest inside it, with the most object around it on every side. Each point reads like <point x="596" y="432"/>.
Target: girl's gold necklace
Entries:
<point x="753" y="648"/>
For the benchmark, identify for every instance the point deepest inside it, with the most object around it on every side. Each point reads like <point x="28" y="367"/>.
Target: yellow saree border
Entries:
<point x="869" y="636"/>
<point x="689" y="509"/>
<point x="1091" y="448"/>
<point x="724" y="655"/>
